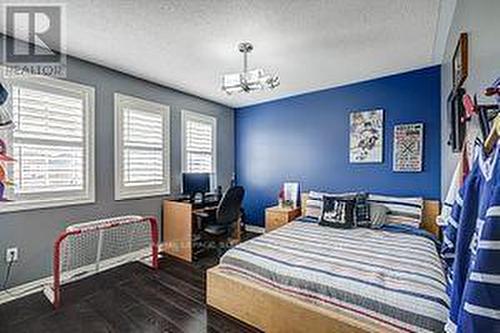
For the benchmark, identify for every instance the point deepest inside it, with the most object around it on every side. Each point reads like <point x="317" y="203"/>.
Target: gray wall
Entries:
<point x="480" y="19"/>
<point x="34" y="231"/>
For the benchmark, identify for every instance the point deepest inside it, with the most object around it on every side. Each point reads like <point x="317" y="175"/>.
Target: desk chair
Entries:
<point x="219" y="224"/>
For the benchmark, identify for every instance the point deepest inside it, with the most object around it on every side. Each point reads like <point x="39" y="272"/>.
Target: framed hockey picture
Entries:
<point x="366" y="136"/>
<point x="456" y="114"/>
<point x="408" y="147"/>
<point x="460" y="61"/>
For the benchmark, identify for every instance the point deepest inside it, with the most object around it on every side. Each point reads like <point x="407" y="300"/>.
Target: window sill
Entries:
<point x="140" y="195"/>
<point x="18" y="206"/>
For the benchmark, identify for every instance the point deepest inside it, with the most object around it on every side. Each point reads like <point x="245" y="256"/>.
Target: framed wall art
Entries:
<point x="291" y="193"/>
<point x="408" y="147"/>
<point x="366" y="136"/>
<point x="456" y="112"/>
<point x="460" y="61"/>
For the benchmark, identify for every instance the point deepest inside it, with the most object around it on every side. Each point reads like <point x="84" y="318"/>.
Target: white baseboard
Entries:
<point x="255" y="228"/>
<point x="77" y="274"/>
<point x="24" y="289"/>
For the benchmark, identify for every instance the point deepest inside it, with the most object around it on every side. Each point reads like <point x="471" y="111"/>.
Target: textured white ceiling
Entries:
<point x="313" y="44"/>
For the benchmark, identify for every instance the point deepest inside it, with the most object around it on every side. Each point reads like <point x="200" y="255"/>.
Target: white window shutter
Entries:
<point x="48" y="142"/>
<point x="199" y="142"/>
<point x="142" y="141"/>
<point x="143" y="148"/>
<point x="52" y="144"/>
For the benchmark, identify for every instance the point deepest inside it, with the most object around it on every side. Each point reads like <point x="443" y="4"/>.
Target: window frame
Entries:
<point x="121" y="193"/>
<point x="60" y="198"/>
<point x="197" y="116"/>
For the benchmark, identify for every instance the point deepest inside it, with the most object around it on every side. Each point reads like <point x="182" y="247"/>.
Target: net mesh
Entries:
<point x="99" y="242"/>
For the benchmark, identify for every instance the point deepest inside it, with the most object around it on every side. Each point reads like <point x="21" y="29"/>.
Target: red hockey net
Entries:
<point x="87" y="248"/>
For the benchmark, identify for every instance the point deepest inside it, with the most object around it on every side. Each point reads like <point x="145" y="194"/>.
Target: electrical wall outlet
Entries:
<point x="11" y="254"/>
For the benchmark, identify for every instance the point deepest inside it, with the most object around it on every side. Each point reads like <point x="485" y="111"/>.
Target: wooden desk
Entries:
<point x="179" y="226"/>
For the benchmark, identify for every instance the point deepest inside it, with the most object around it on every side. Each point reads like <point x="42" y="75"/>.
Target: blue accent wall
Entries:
<point x="305" y="138"/>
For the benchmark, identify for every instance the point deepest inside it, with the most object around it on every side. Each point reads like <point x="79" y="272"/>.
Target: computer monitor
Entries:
<point x="193" y="183"/>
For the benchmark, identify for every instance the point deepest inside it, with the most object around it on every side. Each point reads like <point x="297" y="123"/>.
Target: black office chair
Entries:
<point x="219" y="225"/>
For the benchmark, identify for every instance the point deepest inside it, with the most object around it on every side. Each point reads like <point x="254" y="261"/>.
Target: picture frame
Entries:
<point x="460" y="61"/>
<point x="456" y="113"/>
<point x="366" y="136"/>
<point x="291" y="193"/>
<point x="408" y="143"/>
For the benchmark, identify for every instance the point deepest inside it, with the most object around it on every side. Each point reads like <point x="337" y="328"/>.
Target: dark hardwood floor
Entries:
<point x="129" y="298"/>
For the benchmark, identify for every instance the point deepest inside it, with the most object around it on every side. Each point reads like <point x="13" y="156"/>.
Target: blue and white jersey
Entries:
<point x="450" y="233"/>
<point x="457" y="241"/>
<point x="448" y="245"/>
<point x="454" y="216"/>
<point x="480" y="308"/>
<point x="474" y="297"/>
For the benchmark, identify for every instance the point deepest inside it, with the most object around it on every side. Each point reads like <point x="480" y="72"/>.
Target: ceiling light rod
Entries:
<point x="245" y="48"/>
<point x="248" y="80"/>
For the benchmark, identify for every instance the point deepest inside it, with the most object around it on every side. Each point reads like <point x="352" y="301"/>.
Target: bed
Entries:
<point x="307" y="278"/>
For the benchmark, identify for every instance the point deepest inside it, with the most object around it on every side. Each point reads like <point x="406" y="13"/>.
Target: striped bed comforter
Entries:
<point x="393" y="278"/>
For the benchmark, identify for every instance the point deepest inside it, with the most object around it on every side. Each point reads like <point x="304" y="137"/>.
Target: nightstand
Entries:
<point x="278" y="216"/>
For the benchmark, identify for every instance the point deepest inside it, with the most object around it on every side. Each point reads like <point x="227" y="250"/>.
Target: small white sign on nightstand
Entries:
<point x="291" y="193"/>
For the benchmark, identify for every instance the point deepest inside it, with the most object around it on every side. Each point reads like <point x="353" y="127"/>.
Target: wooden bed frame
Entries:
<point x="272" y="311"/>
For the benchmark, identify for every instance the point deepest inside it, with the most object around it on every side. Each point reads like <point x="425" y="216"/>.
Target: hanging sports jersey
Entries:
<point x="480" y="307"/>
<point x="457" y="181"/>
<point x="474" y="299"/>
<point x="457" y="240"/>
<point x="453" y="208"/>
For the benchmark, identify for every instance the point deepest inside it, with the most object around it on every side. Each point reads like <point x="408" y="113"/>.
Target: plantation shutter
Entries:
<point x="199" y="143"/>
<point x="143" y="145"/>
<point x="142" y="142"/>
<point x="49" y="141"/>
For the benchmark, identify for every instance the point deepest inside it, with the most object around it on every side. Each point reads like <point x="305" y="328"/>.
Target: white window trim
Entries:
<point x="89" y="120"/>
<point x="121" y="100"/>
<point x="185" y="115"/>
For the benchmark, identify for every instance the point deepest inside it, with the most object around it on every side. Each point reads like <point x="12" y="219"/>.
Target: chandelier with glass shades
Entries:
<point x="248" y="80"/>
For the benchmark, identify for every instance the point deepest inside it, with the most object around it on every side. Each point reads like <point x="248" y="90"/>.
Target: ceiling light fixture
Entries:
<point x="248" y="80"/>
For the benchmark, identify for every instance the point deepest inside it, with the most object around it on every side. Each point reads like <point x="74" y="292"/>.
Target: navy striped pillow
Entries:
<point x="401" y="210"/>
